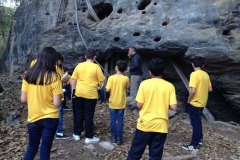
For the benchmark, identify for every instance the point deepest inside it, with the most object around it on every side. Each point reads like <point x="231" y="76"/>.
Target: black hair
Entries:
<point x="44" y="69"/>
<point x="135" y="50"/>
<point x="81" y="59"/>
<point x="198" y="61"/>
<point x="90" y="54"/>
<point x="60" y="57"/>
<point x="122" y="65"/>
<point x="156" y="66"/>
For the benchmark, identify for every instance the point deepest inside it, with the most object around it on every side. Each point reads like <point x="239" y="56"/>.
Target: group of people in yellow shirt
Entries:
<point x="42" y="90"/>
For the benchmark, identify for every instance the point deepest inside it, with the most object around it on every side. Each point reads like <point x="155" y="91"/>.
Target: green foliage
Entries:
<point x="6" y="16"/>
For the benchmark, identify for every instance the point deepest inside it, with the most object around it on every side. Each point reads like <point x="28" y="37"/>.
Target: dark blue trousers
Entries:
<point x="195" y="114"/>
<point x="84" y="111"/>
<point x="154" y="140"/>
<point x="44" y="129"/>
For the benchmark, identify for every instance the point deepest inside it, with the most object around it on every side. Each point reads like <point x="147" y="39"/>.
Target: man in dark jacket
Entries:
<point x="135" y="71"/>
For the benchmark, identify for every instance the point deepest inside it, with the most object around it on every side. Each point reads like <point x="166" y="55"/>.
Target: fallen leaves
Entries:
<point x="219" y="143"/>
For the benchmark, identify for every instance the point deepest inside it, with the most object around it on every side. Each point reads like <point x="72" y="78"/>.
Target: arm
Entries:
<point x="57" y="100"/>
<point x="101" y="84"/>
<point x="191" y="94"/>
<point x="173" y="107"/>
<point x="139" y="105"/>
<point x="210" y="89"/>
<point x="23" y="97"/>
<point x="73" y="84"/>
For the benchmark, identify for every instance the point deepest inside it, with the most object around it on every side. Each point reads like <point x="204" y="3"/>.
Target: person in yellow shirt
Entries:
<point x="85" y="79"/>
<point x="74" y="107"/>
<point x="117" y="85"/>
<point x="154" y="98"/>
<point x="200" y="85"/>
<point x="59" y="132"/>
<point x="42" y="91"/>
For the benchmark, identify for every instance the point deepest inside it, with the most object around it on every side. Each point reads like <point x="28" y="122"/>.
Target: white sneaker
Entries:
<point x="76" y="137"/>
<point x="92" y="140"/>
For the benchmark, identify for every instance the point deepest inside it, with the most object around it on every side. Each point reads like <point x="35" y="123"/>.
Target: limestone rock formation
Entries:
<point x="185" y="28"/>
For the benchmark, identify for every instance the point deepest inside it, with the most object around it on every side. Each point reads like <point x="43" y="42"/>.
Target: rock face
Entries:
<point x="185" y="28"/>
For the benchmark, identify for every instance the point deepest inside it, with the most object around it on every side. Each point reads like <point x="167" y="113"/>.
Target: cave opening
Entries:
<point x="143" y="4"/>
<point x="103" y="10"/>
<point x="216" y="103"/>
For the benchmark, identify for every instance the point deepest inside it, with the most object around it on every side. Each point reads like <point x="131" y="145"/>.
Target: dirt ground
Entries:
<point x="221" y="142"/>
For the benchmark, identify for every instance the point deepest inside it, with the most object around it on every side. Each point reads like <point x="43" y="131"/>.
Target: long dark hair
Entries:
<point x="44" y="69"/>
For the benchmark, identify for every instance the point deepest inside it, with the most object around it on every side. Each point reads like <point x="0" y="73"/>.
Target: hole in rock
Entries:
<point x="165" y="23"/>
<point x="70" y="23"/>
<point x="47" y="14"/>
<point x="136" y="34"/>
<point x="153" y="12"/>
<point x="144" y="12"/>
<point x="155" y="3"/>
<point x="94" y="39"/>
<point x="157" y="39"/>
<point x="116" y="39"/>
<point x="120" y="10"/>
<point x="103" y="10"/>
<point x="143" y="4"/>
<point x="226" y="32"/>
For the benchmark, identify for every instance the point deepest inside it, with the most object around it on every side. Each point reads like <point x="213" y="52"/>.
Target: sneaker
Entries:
<point x="190" y="147"/>
<point x="92" y="140"/>
<point x="61" y="136"/>
<point x="66" y="108"/>
<point x="119" y="141"/>
<point x="76" y="137"/>
<point x="200" y="142"/>
<point x="113" y="140"/>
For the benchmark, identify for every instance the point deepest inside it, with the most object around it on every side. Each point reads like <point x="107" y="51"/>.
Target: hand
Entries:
<point x="73" y="93"/>
<point x="100" y="86"/>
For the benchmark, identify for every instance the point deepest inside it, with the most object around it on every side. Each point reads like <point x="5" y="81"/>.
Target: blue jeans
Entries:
<point x="42" y="129"/>
<point x="154" y="140"/>
<point x="67" y="94"/>
<point x="101" y="92"/>
<point x="195" y="114"/>
<point x="60" y="124"/>
<point x="116" y="129"/>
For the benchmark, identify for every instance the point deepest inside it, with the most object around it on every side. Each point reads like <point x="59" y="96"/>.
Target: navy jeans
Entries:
<point x="154" y="140"/>
<point x="42" y="129"/>
<point x="67" y="94"/>
<point x="195" y="114"/>
<point x="84" y="111"/>
<point x="102" y="92"/>
<point x="60" y="124"/>
<point x="116" y="129"/>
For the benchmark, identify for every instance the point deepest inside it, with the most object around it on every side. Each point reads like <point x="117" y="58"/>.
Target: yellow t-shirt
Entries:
<point x="88" y="76"/>
<point x="117" y="84"/>
<point x="60" y="71"/>
<point x="201" y="81"/>
<point x="40" y="100"/>
<point x="156" y="95"/>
